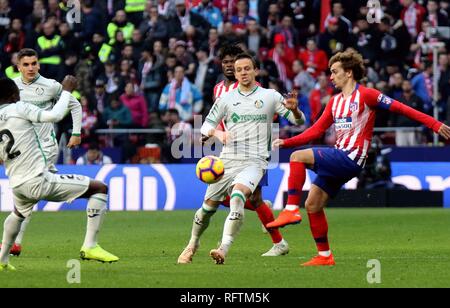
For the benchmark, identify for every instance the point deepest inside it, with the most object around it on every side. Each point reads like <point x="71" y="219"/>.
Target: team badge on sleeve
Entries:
<point x="384" y="101"/>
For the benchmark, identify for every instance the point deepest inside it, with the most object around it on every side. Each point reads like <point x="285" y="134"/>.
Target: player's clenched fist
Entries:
<point x="291" y="102"/>
<point x="69" y="83"/>
<point x="277" y="143"/>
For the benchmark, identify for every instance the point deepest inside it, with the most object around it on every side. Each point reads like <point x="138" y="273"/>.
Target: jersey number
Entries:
<point x="9" y="144"/>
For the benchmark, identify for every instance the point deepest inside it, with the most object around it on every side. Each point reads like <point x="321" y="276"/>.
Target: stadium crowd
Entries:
<point x="154" y="64"/>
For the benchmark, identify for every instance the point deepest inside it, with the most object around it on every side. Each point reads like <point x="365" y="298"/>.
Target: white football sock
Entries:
<point x="95" y="211"/>
<point x="23" y="227"/>
<point x="200" y="224"/>
<point x="325" y="253"/>
<point x="291" y="207"/>
<point x="11" y="228"/>
<point x="234" y="221"/>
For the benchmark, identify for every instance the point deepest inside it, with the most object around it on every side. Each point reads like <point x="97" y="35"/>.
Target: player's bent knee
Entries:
<point x="313" y="205"/>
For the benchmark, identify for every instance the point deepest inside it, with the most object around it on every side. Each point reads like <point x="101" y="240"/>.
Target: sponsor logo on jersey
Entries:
<point x="248" y="118"/>
<point x="259" y="104"/>
<point x="237" y="104"/>
<point x="343" y="123"/>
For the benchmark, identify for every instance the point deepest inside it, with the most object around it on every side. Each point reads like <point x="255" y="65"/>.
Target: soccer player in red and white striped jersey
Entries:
<point x="353" y="112"/>
<point x="227" y="55"/>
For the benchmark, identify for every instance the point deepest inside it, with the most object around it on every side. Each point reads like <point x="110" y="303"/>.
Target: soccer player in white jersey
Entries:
<point x="29" y="178"/>
<point x="248" y="115"/>
<point x="43" y="93"/>
<point x="227" y="55"/>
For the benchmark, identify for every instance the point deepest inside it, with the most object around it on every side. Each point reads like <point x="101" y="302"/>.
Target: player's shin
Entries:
<point x="297" y="177"/>
<point x="96" y="210"/>
<point x="234" y="221"/>
<point x="23" y="227"/>
<point x="266" y="216"/>
<point x="319" y="229"/>
<point x="200" y="224"/>
<point x="11" y="228"/>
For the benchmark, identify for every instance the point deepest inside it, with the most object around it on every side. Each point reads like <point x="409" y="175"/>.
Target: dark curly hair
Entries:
<point x="229" y="50"/>
<point x="350" y="61"/>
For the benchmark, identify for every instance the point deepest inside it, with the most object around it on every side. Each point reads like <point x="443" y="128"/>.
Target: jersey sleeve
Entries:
<point x="376" y="99"/>
<point x="77" y="115"/>
<point x="315" y="131"/>
<point x="37" y="115"/>
<point x="214" y="117"/>
<point x="284" y="112"/>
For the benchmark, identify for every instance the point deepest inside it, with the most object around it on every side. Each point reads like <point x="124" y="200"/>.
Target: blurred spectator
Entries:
<point x="210" y="13"/>
<point x="320" y="97"/>
<point x="71" y="43"/>
<point x="213" y="42"/>
<point x="206" y="74"/>
<point x="444" y="78"/>
<point x="89" y="122"/>
<point x="176" y="131"/>
<point x="135" y="10"/>
<point x="154" y="27"/>
<point x="180" y="94"/>
<point x="364" y="39"/>
<point x="117" y="115"/>
<point x="332" y="41"/>
<point x="100" y="99"/>
<point x="152" y="79"/>
<point x="92" y="21"/>
<point x="239" y="20"/>
<point x="267" y="68"/>
<point x="314" y="59"/>
<point x="166" y="8"/>
<point x="14" y="41"/>
<point x="412" y="15"/>
<point x="288" y="30"/>
<point x="409" y="98"/>
<point x="5" y="17"/>
<point x="120" y="23"/>
<point x="184" y="18"/>
<point x="115" y="83"/>
<point x="229" y="37"/>
<point x="227" y="7"/>
<point x="184" y="57"/>
<point x="254" y="38"/>
<point x="394" y="42"/>
<point x="94" y="156"/>
<point x="422" y="85"/>
<point x="50" y="49"/>
<point x="12" y="71"/>
<point x="303" y="81"/>
<point x="136" y="104"/>
<point x="396" y="86"/>
<point x="337" y="11"/>
<point x="283" y="56"/>
<point x="435" y="16"/>
<point x="273" y="18"/>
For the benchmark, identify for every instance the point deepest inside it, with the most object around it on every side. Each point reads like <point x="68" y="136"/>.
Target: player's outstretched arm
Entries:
<point x="295" y="116"/>
<point x="77" y="117"/>
<point x="444" y="131"/>
<point x="312" y="133"/>
<point x="60" y="109"/>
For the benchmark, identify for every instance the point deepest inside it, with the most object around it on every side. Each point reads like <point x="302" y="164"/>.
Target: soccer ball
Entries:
<point x="210" y="169"/>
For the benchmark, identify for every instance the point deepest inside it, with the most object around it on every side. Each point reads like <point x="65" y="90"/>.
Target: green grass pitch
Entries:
<point x="412" y="245"/>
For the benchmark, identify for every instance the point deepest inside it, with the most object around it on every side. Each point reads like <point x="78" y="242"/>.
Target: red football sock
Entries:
<point x="297" y="177"/>
<point x="319" y="229"/>
<point x="265" y="215"/>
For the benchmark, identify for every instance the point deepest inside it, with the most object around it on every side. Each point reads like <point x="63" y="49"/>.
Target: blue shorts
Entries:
<point x="334" y="168"/>
<point x="265" y="179"/>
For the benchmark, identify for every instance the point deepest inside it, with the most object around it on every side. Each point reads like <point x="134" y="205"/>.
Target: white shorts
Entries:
<point x="50" y="187"/>
<point x="48" y="142"/>
<point x="247" y="173"/>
